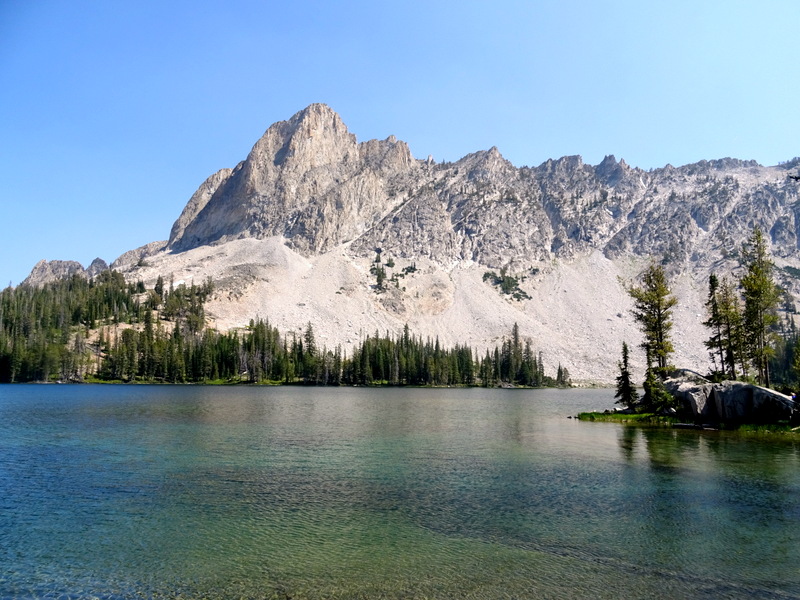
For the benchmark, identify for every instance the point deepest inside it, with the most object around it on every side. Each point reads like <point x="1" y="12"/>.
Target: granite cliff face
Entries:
<point x="306" y="179"/>
<point x="291" y="232"/>
<point x="309" y="181"/>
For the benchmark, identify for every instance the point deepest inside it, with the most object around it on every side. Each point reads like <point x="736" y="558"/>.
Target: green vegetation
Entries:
<point x="644" y="418"/>
<point x="769" y="429"/>
<point x="748" y="340"/>
<point x="726" y="345"/>
<point x="653" y="304"/>
<point x="508" y="285"/>
<point x="379" y="272"/>
<point x="108" y="330"/>
<point x="782" y="430"/>
<point x="761" y="298"/>
<point x="410" y="360"/>
<point x="626" y="393"/>
<point x="43" y="331"/>
<point x="792" y="271"/>
<point x="656" y="398"/>
<point x="378" y="269"/>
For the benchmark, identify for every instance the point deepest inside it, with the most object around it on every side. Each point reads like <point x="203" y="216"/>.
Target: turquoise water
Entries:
<point x="258" y="492"/>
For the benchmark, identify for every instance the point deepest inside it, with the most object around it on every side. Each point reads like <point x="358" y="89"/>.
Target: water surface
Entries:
<point x="259" y="492"/>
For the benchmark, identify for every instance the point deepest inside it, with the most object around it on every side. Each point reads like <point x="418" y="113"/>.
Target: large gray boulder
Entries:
<point x="742" y="402"/>
<point x="731" y="401"/>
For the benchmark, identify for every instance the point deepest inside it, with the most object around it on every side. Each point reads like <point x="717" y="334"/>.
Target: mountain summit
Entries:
<point x="294" y="232"/>
<point x="306" y="179"/>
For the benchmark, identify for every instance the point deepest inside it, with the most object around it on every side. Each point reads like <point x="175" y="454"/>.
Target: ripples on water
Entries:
<point x="147" y="491"/>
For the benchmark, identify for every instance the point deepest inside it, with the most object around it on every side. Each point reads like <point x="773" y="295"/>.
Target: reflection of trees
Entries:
<point x="513" y="424"/>
<point x="771" y="458"/>
<point x="669" y="448"/>
<point x="627" y="441"/>
<point x="661" y="497"/>
<point x="666" y="448"/>
<point x="713" y="503"/>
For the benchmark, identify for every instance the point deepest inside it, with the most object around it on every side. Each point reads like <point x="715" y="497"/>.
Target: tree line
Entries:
<point x="109" y="330"/>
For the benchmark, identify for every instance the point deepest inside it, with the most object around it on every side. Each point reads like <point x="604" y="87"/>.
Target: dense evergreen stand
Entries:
<point x="106" y="329"/>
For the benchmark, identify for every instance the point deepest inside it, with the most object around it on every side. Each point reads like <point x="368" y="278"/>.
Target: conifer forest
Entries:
<point x="106" y="329"/>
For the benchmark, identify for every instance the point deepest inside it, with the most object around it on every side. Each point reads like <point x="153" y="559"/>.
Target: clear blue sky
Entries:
<point x="114" y="112"/>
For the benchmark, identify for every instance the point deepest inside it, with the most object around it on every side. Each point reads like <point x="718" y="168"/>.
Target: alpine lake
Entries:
<point x="298" y="492"/>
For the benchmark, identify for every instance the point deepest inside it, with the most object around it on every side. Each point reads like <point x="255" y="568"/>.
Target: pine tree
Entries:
<point x="656" y="398"/>
<point x="626" y="394"/>
<point x="309" y="358"/>
<point x="795" y="366"/>
<point x="761" y="299"/>
<point x="516" y="353"/>
<point x="653" y="303"/>
<point x="732" y="329"/>
<point x="715" y="344"/>
<point x="562" y="376"/>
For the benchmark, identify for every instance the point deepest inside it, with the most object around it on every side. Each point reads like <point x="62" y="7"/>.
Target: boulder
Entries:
<point x="698" y="398"/>
<point x="731" y="401"/>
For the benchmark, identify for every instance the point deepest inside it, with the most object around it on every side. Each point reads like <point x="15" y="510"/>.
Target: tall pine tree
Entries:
<point x="653" y="303"/>
<point x="761" y="299"/>
<point x="626" y="394"/>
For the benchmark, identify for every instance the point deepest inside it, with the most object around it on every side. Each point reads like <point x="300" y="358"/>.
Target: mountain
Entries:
<point x="45" y="271"/>
<point x="292" y="232"/>
<point x="306" y="179"/>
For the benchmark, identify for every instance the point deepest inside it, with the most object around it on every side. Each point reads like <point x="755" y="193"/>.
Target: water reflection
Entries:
<point x="221" y="492"/>
<point x="715" y="497"/>
<point x="627" y="441"/>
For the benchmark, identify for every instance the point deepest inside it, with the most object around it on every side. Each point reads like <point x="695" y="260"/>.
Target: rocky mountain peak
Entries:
<point x="485" y="165"/>
<point x="388" y="156"/>
<point x="198" y="202"/>
<point x="610" y="172"/>
<point x="565" y="164"/>
<point x="307" y="179"/>
<point x="47" y="271"/>
<point x="291" y="231"/>
<point x="98" y="266"/>
<point x="312" y="138"/>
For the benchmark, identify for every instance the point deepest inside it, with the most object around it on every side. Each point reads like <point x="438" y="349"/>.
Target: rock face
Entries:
<point x="732" y="401"/>
<point x="198" y="202"/>
<point x="98" y="266"/>
<point x="308" y="180"/>
<point x="46" y="271"/>
<point x="134" y="258"/>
